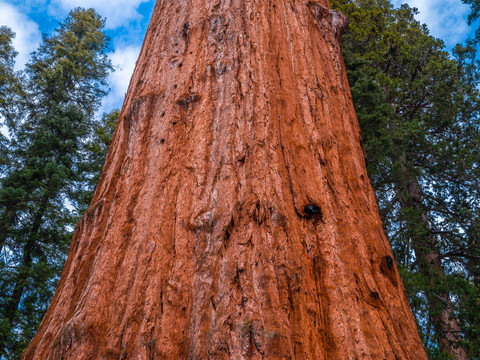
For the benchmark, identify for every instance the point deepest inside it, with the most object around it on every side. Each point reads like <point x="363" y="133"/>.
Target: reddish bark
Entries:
<point x="199" y="243"/>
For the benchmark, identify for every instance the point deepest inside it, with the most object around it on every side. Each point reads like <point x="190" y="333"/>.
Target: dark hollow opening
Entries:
<point x="389" y="261"/>
<point x="313" y="211"/>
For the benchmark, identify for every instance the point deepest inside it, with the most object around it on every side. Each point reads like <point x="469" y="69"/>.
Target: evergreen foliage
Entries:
<point x="8" y="86"/>
<point x="474" y="15"/>
<point x="51" y="127"/>
<point x="97" y="149"/>
<point x="418" y="109"/>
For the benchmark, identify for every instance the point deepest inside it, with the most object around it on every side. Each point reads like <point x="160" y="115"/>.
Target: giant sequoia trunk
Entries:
<point x="234" y="218"/>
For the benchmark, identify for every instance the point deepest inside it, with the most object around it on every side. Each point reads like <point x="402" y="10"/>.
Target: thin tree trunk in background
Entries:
<point x="5" y="226"/>
<point x="24" y="274"/>
<point x="234" y="218"/>
<point x="13" y="302"/>
<point x="428" y="258"/>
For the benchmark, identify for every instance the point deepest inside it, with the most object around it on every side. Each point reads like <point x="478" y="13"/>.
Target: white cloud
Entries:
<point x="446" y="19"/>
<point x="27" y="32"/>
<point x="124" y="59"/>
<point x="117" y="12"/>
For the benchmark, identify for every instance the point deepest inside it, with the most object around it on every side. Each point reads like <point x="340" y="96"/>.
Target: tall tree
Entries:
<point x="63" y="86"/>
<point x="234" y="218"/>
<point x="419" y="113"/>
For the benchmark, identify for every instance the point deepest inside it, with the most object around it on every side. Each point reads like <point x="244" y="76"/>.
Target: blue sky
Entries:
<point x="127" y="21"/>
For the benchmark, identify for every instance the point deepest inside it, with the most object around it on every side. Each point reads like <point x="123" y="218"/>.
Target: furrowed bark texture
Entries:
<point x="234" y="218"/>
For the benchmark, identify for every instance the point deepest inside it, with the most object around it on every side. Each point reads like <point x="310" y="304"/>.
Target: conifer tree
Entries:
<point x="63" y="86"/>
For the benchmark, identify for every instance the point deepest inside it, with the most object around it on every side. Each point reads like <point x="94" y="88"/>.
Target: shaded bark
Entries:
<point x="24" y="273"/>
<point x="5" y="225"/>
<point x="13" y="303"/>
<point x="234" y="218"/>
<point x="428" y="258"/>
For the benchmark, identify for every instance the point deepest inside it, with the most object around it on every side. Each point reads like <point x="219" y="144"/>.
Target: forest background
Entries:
<point x="416" y="98"/>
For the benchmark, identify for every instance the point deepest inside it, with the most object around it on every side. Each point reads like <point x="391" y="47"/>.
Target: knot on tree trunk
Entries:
<point x="339" y="22"/>
<point x="326" y="18"/>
